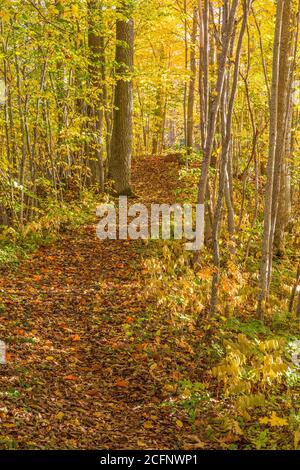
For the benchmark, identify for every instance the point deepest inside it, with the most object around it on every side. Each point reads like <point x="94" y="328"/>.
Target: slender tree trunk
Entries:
<point x="294" y="293"/>
<point x="203" y="69"/>
<point x="158" y="121"/>
<point x="213" y="113"/>
<point x="224" y="162"/>
<point x="191" y="95"/>
<point x="266" y="244"/>
<point x="284" y="101"/>
<point x="185" y="91"/>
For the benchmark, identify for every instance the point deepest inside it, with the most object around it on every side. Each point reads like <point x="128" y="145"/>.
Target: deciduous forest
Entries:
<point x="137" y="342"/>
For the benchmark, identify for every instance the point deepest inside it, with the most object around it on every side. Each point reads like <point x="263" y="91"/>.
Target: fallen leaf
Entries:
<point x="121" y="383"/>
<point x="20" y="331"/>
<point x="75" y="338"/>
<point x="274" y="420"/>
<point x="70" y="377"/>
<point x="194" y="442"/>
<point x="277" y="421"/>
<point x="148" y="425"/>
<point x="141" y="443"/>
<point x="8" y="357"/>
<point x="264" y="420"/>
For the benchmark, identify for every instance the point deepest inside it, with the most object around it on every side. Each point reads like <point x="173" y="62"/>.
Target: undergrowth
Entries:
<point x="55" y="217"/>
<point x="241" y="378"/>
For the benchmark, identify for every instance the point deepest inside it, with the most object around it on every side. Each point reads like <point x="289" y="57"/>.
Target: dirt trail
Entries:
<point x="74" y="378"/>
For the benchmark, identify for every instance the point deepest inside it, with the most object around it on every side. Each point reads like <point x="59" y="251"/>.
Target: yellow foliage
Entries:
<point x="250" y="366"/>
<point x="274" y="420"/>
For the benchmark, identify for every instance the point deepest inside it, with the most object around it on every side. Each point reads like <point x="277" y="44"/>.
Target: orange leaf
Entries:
<point x="70" y="377"/>
<point x="141" y="346"/>
<point x="8" y="357"/>
<point x="121" y="383"/>
<point x="75" y="338"/>
<point x="20" y="331"/>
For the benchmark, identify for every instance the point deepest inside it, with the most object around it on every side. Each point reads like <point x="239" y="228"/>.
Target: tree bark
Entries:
<point x="95" y="109"/>
<point x="191" y="94"/>
<point x="213" y="112"/>
<point x="121" y="143"/>
<point x="266" y="244"/>
<point x="224" y="163"/>
<point x="284" y="102"/>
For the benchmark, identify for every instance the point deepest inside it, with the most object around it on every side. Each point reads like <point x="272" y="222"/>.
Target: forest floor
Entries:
<point x="75" y="377"/>
<point x="98" y="360"/>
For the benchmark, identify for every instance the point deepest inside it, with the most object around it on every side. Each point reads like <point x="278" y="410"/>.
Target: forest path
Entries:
<point x="75" y="378"/>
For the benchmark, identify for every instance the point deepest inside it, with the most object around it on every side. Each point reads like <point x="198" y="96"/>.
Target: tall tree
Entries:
<point x="279" y="117"/>
<point x="215" y="105"/>
<point x="96" y="105"/>
<point x="288" y="72"/>
<point x="224" y="160"/>
<point x="191" y="93"/>
<point x="121" y="144"/>
<point x="203" y="68"/>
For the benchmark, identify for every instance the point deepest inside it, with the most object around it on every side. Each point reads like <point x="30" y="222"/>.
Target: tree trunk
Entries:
<point x="191" y="95"/>
<point x="213" y="113"/>
<point x="203" y="70"/>
<point x="95" y="110"/>
<point x="224" y="163"/>
<point x="284" y="101"/>
<point x="266" y="245"/>
<point x="121" y="143"/>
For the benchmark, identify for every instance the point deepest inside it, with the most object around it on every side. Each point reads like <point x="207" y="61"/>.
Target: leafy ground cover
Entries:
<point x="110" y="346"/>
